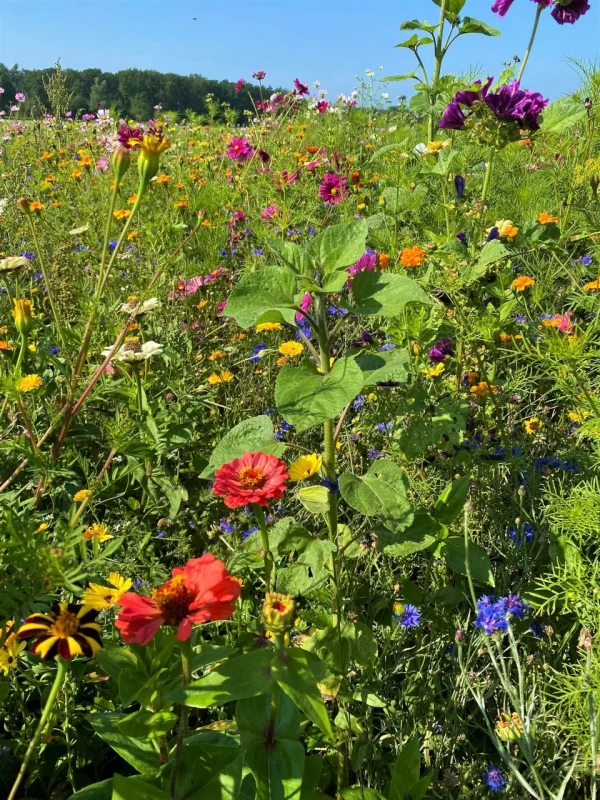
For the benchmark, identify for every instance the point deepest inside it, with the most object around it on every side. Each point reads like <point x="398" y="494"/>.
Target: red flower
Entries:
<point x="253" y="478"/>
<point x="200" y="591"/>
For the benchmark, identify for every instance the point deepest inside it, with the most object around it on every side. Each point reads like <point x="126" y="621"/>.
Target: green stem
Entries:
<point x="138" y="380"/>
<point x="592" y="713"/>
<point x="437" y="65"/>
<point x="536" y="22"/>
<point x="61" y="672"/>
<point x="186" y="671"/>
<point x="484" y="193"/>
<point x="267" y="554"/>
<point x="445" y="202"/>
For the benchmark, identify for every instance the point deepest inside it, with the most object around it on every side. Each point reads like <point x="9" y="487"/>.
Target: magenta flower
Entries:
<point x="333" y="188"/>
<point x="102" y="163"/>
<point x="263" y="155"/>
<point x="290" y="177"/>
<point x="509" y="103"/>
<point x="20" y="97"/>
<point x="269" y="212"/>
<point x="301" y="88"/>
<point x="322" y="106"/>
<point x="305" y="304"/>
<point x="569" y="12"/>
<point x="129" y="136"/>
<point x="366" y="263"/>
<point x="260" y="75"/>
<point x="501" y="7"/>
<point x="240" y="150"/>
<point x="239" y="85"/>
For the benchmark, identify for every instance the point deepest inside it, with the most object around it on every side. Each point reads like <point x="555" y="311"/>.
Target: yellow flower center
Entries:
<point x="251" y="478"/>
<point x="67" y="624"/>
<point x="174" y="600"/>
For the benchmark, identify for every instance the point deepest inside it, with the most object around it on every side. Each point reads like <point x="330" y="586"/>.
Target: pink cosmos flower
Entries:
<point x="333" y="188"/>
<point x="259" y="75"/>
<point x="186" y="288"/>
<point x="240" y="150"/>
<point x="301" y="88"/>
<point x="270" y="211"/>
<point x="20" y="97"/>
<point x="102" y="163"/>
<point x="322" y="106"/>
<point x="239" y="85"/>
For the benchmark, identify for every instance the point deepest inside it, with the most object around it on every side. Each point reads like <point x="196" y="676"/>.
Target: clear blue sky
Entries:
<point x="328" y="40"/>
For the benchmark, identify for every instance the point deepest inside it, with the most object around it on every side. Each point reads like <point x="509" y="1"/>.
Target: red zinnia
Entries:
<point x="253" y="478"/>
<point x="201" y="591"/>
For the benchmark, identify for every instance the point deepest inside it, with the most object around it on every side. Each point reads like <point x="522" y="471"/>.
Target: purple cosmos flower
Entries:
<point x="501" y="7"/>
<point x="569" y="12"/>
<point x="301" y="88"/>
<point x="240" y="150"/>
<point x="459" y="185"/>
<point x="239" y="85"/>
<point x="333" y="188"/>
<point x="509" y="104"/>
<point x="494" y="779"/>
<point x="366" y="263"/>
<point x="259" y="75"/>
<point x="20" y="97"/>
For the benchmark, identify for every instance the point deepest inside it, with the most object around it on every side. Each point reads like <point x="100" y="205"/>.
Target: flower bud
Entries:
<point x="24" y="204"/>
<point x="120" y="160"/>
<point x="23" y="314"/>
<point x="149" y="159"/>
<point x="595" y="183"/>
<point x="278" y="612"/>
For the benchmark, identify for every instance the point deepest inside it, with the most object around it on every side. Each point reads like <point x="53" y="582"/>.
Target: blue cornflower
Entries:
<point x="78" y="248"/>
<point x="494" y="779"/>
<point x="38" y="275"/>
<point x="283" y="429"/>
<point x="124" y="275"/>
<point x="27" y="254"/>
<point x="332" y="485"/>
<point x="258" y="352"/>
<point x="54" y="350"/>
<point x="373" y="453"/>
<point x="526" y="537"/>
<point x="269" y="412"/>
<point x="311" y="230"/>
<point x="225" y="526"/>
<point x="409" y="617"/>
<point x="258" y="251"/>
<point x="537" y="629"/>
<point x="306" y="331"/>
<point x="585" y="260"/>
<point x="249" y="532"/>
<point x="247" y="511"/>
<point x="384" y="426"/>
<point x="223" y="252"/>
<point x="521" y="319"/>
<point x="112" y="243"/>
<point x="359" y="402"/>
<point x="388" y="346"/>
<point x="160" y="535"/>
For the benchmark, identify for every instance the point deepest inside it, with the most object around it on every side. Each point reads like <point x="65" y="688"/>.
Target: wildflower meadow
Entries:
<point x="300" y="441"/>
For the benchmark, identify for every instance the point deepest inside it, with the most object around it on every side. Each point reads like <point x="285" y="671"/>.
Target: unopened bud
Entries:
<point x="587" y="103"/>
<point x="595" y="183"/>
<point x="585" y="639"/>
<point x="278" y="612"/>
<point x="120" y="160"/>
<point x="24" y="204"/>
<point x="23" y="314"/>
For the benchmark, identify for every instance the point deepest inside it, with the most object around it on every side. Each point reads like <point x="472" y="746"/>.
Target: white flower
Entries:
<point x="393" y="129"/>
<point x="370" y="73"/>
<point x="316" y="84"/>
<point x="385" y="95"/>
<point x="133" y="350"/>
<point x="145" y="307"/>
<point x="103" y="114"/>
<point x="421" y="148"/>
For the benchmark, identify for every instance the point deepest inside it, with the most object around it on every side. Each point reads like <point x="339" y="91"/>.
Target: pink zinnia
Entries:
<point x="240" y="150"/>
<point x="253" y="478"/>
<point x="333" y="188"/>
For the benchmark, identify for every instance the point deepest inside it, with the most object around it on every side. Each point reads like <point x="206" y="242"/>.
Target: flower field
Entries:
<point x="299" y="475"/>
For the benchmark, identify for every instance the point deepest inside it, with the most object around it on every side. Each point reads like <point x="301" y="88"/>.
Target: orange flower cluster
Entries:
<point x="412" y="256"/>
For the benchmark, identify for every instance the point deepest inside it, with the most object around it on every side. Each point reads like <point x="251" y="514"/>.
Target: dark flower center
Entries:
<point x="251" y="478"/>
<point x="174" y="600"/>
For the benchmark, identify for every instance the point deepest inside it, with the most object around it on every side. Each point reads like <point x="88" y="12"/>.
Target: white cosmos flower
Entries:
<point x="12" y="263"/>
<point x="145" y="307"/>
<point x="133" y="350"/>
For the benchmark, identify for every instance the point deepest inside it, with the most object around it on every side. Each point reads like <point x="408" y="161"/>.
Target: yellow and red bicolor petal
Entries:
<point x="46" y="647"/>
<point x="35" y="625"/>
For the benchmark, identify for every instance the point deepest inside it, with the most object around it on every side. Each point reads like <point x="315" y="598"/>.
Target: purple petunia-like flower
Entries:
<point x="441" y="350"/>
<point x="501" y="7"/>
<point x="333" y="188"/>
<point x="509" y="104"/>
<point x="569" y="12"/>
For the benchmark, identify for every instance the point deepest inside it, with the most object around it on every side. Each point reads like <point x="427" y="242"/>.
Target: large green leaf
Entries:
<point x="297" y="672"/>
<point x="391" y="365"/>
<point x="453" y="7"/>
<point x="492" y="251"/>
<point x="420" y="535"/>
<point x="208" y="770"/>
<point x="406" y="770"/>
<point x="96" y="791"/>
<point x="144" y="724"/>
<point x="275" y="755"/>
<point x="292" y="255"/>
<point x="308" y="572"/>
<point x="381" y="294"/>
<point x="561" y="115"/>
<point x="140" y="754"/>
<point x="270" y="289"/>
<point x="249" y="436"/>
<point x="305" y="397"/>
<point x="454" y="552"/>
<point x="452" y="500"/>
<point x="472" y="25"/>
<point x="339" y="246"/>
<point x="248" y="675"/>
<point x="136" y="788"/>
<point x="417" y="25"/>
<point x="380" y="493"/>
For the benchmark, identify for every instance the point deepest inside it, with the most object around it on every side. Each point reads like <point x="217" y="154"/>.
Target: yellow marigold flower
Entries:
<point x="9" y="655"/>
<point x="305" y="467"/>
<point x="412" y="256"/>
<point x="180" y="204"/>
<point x="151" y="148"/>
<point x="41" y="528"/>
<point x="97" y="531"/>
<point x="217" y="354"/>
<point x="291" y="349"/>
<point x="35" y="206"/>
<point x="132" y="235"/>
<point x="532" y="425"/>
<point x="508" y="728"/>
<point x="483" y="389"/>
<point x="436" y="147"/>
<point x="23" y="314"/>
<point x="592" y="286"/>
<point x="121" y="213"/>
<point x="434" y="372"/>
<point x="202" y="304"/>
<point x="131" y="200"/>
<point x="162" y="178"/>
<point x="579" y="415"/>
<point x="522" y="283"/>
<point x="76" y="174"/>
<point x="547" y="219"/>
<point x="82" y="495"/>
<point x="4" y="345"/>
<point x="100" y="597"/>
<point x="29" y="383"/>
<point x="264" y="327"/>
<point x="223" y="377"/>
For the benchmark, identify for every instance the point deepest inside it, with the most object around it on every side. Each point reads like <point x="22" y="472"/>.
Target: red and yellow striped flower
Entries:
<point x="67" y="630"/>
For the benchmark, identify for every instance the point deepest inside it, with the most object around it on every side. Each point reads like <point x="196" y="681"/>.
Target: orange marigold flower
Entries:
<point x="483" y="389"/>
<point x="522" y="283"/>
<point x="201" y="591"/>
<point x="592" y="286"/>
<point x="546" y="219"/>
<point x="35" y="206"/>
<point x="253" y="478"/>
<point x="162" y="178"/>
<point x="384" y="260"/>
<point x="412" y="256"/>
<point x="121" y="213"/>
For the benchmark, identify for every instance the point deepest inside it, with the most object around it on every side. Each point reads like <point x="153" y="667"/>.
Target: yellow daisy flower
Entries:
<point x="29" y="383"/>
<point x="9" y="655"/>
<point x="291" y="349"/>
<point x="100" y="597"/>
<point x="82" y="495"/>
<point x="97" y="531"/>
<point x="305" y="467"/>
<point x="532" y="425"/>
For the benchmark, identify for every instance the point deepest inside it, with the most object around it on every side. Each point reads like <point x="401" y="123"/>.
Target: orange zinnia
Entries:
<point x="522" y="283"/>
<point x="412" y="256"/>
<point x="545" y="218"/>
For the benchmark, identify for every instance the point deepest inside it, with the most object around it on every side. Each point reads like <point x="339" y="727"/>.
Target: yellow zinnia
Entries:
<point x="100" y="597"/>
<point x="29" y="383"/>
<point x="291" y="349"/>
<point x="305" y="467"/>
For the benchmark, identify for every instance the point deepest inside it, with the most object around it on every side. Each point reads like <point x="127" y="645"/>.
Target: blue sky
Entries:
<point x="329" y="40"/>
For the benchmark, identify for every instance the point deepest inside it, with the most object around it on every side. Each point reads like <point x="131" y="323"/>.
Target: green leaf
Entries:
<point x="270" y="289"/>
<point x="292" y="255"/>
<point x="96" y="791"/>
<point x="248" y="675"/>
<point x="453" y="552"/>
<point x="398" y="78"/>
<point x="444" y="162"/>
<point x="315" y="499"/>
<point x="406" y="770"/>
<point x="305" y="397"/>
<point x="131" y="683"/>
<point x="286" y="536"/>
<point x="255" y="435"/>
<point x="361" y="793"/>
<point x="135" y="788"/>
<point x="4" y="691"/>
<point x="313" y="767"/>
<point x="208" y="770"/>
<point x="309" y="571"/>
<point x="297" y="672"/>
<point x="380" y="294"/>
<point x="452" y="500"/>
<point x="339" y="246"/>
<point x="492" y="251"/>
<point x="561" y="115"/>
<point x="209" y="654"/>
<point x="420" y="535"/>
<point x="472" y="25"/>
<point x="453" y="7"/>
<point x="415" y="41"/>
<point x="391" y="365"/>
<point x="143" y="724"/>
<point x="380" y="493"/>
<point x="417" y="25"/>
<point x="141" y="755"/>
<point x="277" y="764"/>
